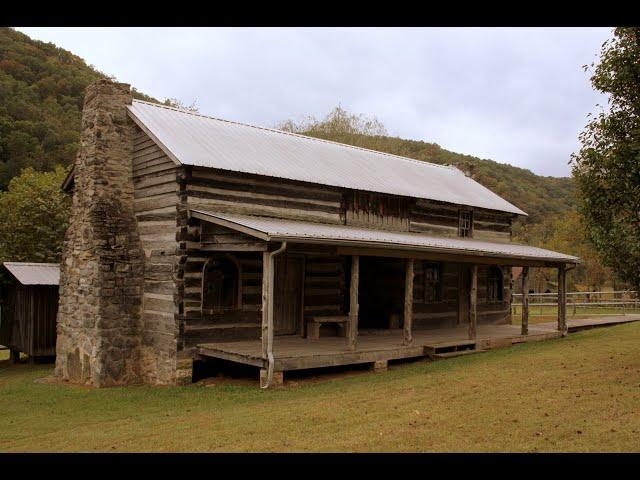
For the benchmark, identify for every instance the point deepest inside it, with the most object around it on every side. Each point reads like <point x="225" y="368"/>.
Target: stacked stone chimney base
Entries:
<point x="102" y="270"/>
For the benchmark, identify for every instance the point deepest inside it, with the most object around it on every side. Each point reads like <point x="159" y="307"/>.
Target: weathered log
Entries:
<point x="473" y="303"/>
<point x="353" y="302"/>
<point x="408" y="303"/>
<point x="525" y="300"/>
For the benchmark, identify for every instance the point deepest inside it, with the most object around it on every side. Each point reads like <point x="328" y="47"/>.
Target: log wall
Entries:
<point x="200" y="242"/>
<point x="177" y="248"/>
<point x="441" y="219"/>
<point x="444" y="313"/>
<point x="232" y="192"/>
<point x="325" y="287"/>
<point x="156" y="197"/>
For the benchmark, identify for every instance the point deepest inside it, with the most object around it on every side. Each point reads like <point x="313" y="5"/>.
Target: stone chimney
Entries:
<point x="102" y="270"/>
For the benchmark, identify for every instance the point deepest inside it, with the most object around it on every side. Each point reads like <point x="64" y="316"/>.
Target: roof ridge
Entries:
<point x="274" y="130"/>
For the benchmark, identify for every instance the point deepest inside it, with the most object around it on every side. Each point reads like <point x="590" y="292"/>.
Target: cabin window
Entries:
<point x="432" y="274"/>
<point x="495" y="285"/>
<point x="220" y="284"/>
<point x="465" y="223"/>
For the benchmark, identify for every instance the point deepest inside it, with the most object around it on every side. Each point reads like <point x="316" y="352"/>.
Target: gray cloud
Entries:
<point x="514" y="95"/>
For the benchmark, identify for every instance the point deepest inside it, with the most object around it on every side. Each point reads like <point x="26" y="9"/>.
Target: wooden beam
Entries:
<point x="266" y="275"/>
<point x="234" y="247"/>
<point x="525" y="301"/>
<point x="473" y="302"/>
<point x="562" y="299"/>
<point x="439" y="256"/>
<point x="408" y="302"/>
<point x="353" y="302"/>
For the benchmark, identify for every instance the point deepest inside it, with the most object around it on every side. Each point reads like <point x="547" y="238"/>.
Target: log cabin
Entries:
<point x="193" y="237"/>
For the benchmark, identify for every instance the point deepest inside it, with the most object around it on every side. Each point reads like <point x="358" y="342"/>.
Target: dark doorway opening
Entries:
<point x="287" y="297"/>
<point x="381" y="292"/>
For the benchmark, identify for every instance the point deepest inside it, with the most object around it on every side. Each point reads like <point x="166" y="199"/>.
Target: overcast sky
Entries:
<point x="514" y="95"/>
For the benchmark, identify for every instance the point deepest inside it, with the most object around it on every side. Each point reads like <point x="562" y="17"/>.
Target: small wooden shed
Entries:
<point x="28" y="308"/>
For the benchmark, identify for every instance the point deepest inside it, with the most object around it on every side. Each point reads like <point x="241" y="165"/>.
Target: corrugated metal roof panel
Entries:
<point x="194" y="139"/>
<point x="280" y="230"/>
<point x="34" y="273"/>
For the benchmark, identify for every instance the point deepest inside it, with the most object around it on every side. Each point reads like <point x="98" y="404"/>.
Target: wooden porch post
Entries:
<point x="562" y="299"/>
<point x="266" y="285"/>
<point x="473" y="301"/>
<point x="408" y="302"/>
<point x="525" y="301"/>
<point x="353" y="302"/>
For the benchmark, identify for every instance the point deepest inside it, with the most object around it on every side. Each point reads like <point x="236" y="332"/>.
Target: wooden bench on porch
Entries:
<point x="314" y="324"/>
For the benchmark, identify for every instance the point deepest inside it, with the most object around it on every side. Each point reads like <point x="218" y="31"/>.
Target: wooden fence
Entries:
<point x="617" y="302"/>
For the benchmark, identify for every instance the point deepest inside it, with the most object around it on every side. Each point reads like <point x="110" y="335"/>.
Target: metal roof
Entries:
<point x="193" y="139"/>
<point x="34" y="273"/>
<point x="275" y="229"/>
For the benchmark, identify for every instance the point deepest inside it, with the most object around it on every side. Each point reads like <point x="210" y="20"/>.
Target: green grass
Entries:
<point x="580" y="393"/>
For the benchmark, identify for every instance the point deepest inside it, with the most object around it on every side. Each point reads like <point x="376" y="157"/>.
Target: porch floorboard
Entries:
<point x="296" y="353"/>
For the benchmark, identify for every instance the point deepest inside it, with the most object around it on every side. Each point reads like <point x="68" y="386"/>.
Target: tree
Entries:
<point x="567" y="234"/>
<point x="175" y="103"/>
<point x="607" y="167"/>
<point x="41" y="97"/>
<point x="337" y="122"/>
<point x="34" y="214"/>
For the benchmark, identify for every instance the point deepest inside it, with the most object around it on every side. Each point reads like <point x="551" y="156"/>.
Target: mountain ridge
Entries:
<point x="42" y="90"/>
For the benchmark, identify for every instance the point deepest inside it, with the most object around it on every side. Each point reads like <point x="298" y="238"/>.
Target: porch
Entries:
<point x="382" y="313"/>
<point x="291" y="352"/>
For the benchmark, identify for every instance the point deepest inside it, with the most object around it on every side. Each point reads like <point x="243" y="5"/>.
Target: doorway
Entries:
<point x="287" y="295"/>
<point x="381" y="291"/>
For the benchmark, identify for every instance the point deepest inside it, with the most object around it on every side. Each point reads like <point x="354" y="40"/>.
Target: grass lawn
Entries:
<point x="580" y="393"/>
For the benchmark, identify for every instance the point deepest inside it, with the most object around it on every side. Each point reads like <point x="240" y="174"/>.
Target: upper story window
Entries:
<point x="495" y="284"/>
<point x="432" y="273"/>
<point x="220" y="284"/>
<point x="465" y="223"/>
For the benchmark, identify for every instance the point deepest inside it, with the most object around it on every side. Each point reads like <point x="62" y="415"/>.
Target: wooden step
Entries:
<point x="446" y="347"/>
<point x="458" y="353"/>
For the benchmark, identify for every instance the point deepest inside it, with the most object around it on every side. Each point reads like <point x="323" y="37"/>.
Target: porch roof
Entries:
<point x="277" y="229"/>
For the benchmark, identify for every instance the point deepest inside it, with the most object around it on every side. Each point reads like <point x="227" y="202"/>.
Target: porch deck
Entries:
<point x="296" y="353"/>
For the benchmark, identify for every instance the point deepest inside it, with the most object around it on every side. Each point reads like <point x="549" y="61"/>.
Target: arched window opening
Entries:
<point x="495" y="281"/>
<point x="220" y="284"/>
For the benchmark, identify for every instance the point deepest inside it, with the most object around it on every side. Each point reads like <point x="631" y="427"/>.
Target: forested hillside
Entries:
<point x="41" y="96"/>
<point x="540" y="197"/>
<point x="41" y="93"/>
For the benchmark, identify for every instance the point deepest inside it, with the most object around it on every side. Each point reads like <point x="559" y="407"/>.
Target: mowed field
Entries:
<point x="577" y="394"/>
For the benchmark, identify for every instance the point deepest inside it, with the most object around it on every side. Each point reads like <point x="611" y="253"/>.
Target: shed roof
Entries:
<point x="194" y="139"/>
<point x="34" y="273"/>
<point x="275" y="229"/>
